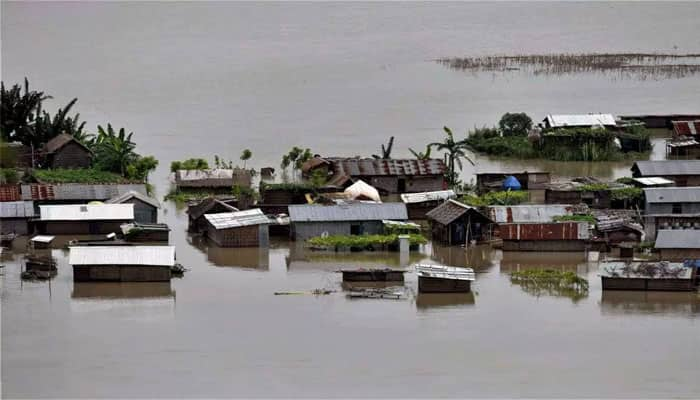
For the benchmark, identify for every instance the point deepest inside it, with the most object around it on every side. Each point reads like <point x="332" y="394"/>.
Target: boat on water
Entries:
<point x="372" y="275"/>
<point x="443" y="279"/>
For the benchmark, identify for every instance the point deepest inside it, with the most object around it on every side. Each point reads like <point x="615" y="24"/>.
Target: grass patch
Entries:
<point x="90" y="176"/>
<point x="538" y="282"/>
<point x="364" y="242"/>
<point x="575" y="218"/>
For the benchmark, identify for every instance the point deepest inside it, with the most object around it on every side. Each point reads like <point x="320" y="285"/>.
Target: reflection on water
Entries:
<point x="480" y="258"/>
<point x="244" y="257"/>
<point x="300" y="258"/>
<point x="440" y="300"/>
<point x="622" y="302"/>
<point x="121" y="290"/>
<point x="137" y="300"/>
<point x="528" y="260"/>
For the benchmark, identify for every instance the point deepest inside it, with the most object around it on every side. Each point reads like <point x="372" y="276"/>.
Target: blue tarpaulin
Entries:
<point x="511" y="183"/>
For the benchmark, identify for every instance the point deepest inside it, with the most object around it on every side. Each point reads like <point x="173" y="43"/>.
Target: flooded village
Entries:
<point x="547" y="253"/>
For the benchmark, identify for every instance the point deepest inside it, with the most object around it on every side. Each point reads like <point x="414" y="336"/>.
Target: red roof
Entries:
<point x="9" y="193"/>
<point x="686" y="128"/>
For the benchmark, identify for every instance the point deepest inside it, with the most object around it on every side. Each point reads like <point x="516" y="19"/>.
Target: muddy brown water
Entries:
<point x="203" y="79"/>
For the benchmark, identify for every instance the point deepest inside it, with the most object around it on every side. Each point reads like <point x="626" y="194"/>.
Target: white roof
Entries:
<point x="43" y="238"/>
<point x="87" y="212"/>
<point x="360" y="188"/>
<point x="445" y="272"/>
<point x="534" y="213"/>
<point x="237" y="219"/>
<point x="16" y="209"/>
<point x="653" y="181"/>
<point x="410" y="198"/>
<point x="122" y="255"/>
<point x="198" y="174"/>
<point x="565" y="120"/>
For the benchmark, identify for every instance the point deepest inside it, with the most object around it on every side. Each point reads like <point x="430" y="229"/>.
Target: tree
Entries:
<point x="46" y="127"/>
<point x="455" y="151"/>
<point x="141" y="167"/>
<point x="515" y="124"/>
<point x="18" y="111"/>
<point x="386" y="151"/>
<point x="245" y="156"/>
<point x="114" y="150"/>
<point x="420" y="155"/>
<point x="296" y="157"/>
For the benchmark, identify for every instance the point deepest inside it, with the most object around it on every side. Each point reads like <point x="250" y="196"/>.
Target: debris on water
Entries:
<point x="315" y="292"/>
<point x="178" y="270"/>
<point x="34" y="275"/>
<point x="395" y="293"/>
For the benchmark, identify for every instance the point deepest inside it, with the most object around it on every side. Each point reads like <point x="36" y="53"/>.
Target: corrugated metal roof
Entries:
<point x="17" y="209"/>
<point x="672" y="195"/>
<point x="133" y="194"/>
<point x="361" y="189"/>
<point x="356" y="167"/>
<point x="9" y="193"/>
<point x="528" y="213"/>
<point x="686" y="128"/>
<point x="572" y="120"/>
<point x="410" y="198"/>
<point x="202" y="174"/>
<point x="663" y="269"/>
<point x="449" y="211"/>
<point x="78" y="191"/>
<point x="348" y="212"/>
<point x="667" y="167"/>
<point x="654" y="181"/>
<point x="122" y="255"/>
<point x="237" y="219"/>
<point x="43" y="238"/>
<point x="677" y="239"/>
<point x="445" y="272"/>
<point x="87" y="212"/>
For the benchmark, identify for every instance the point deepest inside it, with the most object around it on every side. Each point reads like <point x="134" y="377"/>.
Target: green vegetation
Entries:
<point x="182" y="196"/>
<point x="504" y="198"/>
<point x="245" y="156"/>
<point x="91" y="175"/>
<point x="295" y="187"/>
<point x="455" y="151"/>
<point x="386" y="151"/>
<point x="365" y="242"/>
<point x="189" y="164"/>
<point x="575" y="218"/>
<point x="579" y="144"/>
<point x="628" y="193"/>
<point x="515" y="124"/>
<point x="540" y="282"/>
<point x="8" y="176"/>
<point x="481" y="141"/>
<point x="593" y="187"/>
<point x="296" y="157"/>
<point x="420" y="155"/>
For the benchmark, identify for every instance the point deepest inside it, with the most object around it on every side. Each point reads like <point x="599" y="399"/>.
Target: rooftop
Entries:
<point x="410" y="198"/>
<point x="381" y="167"/>
<point x="528" y="213"/>
<point x="78" y="191"/>
<point x="348" y="212"/>
<point x="61" y="140"/>
<point x="237" y="219"/>
<point x="86" y="212"/>
<point x="672" y="195"/>
<point x="122" y="255"/>
<point x="654" y="181"/>
<point x="677" y="239"/>
<point x="667" y="167"/>
<point x="131" y="194"/>
<point x="574" y="120"/>
<point x="17" y="209"/>
<point x="449" y="211"/>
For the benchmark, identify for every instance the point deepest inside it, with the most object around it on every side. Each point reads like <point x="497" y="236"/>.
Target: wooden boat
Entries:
<point x="372" y="275"/>
<point x="443" y="278"/>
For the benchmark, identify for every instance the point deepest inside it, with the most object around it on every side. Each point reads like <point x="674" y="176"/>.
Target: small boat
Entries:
<point x="443" y="279"/>
<point x="372" y="275"/>
<point x="395" y="293"/>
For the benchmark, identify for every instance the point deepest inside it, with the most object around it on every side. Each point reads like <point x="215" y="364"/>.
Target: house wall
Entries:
<point x="667" y="208"/>
<point x="653" y="224"/>
<point x="79" y="227"/>
<point x="679" y="254"/>
<point x="544" y="245"/>
<point x="246" y="236"/>
<point x="414" y="184"/>
<point x="144" y="213"/>
<point x="19" y="226"/>
<point x="121" y="273"/>
<point x="304" y="230"/>
<point x="72" y="155"/>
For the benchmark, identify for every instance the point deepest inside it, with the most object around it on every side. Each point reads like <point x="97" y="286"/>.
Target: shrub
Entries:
<point x="504" y="198"/>
<point x="90" y="175"/>
<point x="8" y="176"/>
<point x="363" y="241"/>
<point x="515" y="124"/>
<point x="189" y="164"/>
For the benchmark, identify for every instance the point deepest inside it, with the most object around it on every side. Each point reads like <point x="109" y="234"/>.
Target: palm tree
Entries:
<point x="455" y="151"/>
<point x="114" y="150"/>
<point x="18" y="111"/>
<point x="245" y="156"/>
<point x="422" y="155"/>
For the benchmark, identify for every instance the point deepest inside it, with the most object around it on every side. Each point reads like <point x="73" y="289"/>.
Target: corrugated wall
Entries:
<point x="305" y="230"/>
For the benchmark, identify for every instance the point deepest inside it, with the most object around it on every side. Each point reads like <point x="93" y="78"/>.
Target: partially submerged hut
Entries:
<point x="247" y="228"/>
<point x="683" y="172"/>
<point x="209" y="205"/>
<point x="643" y="275"/>
<point x="122" y="263"/>
<point x="678" y="245"/>
<point x="455" y="223"/>
<point x="65" y="151"/>
<point x="354" y="218"/>
<point x="145" y="207"/>
<point x="14" y="217"/>
<point x="671" y="208"/>
<point x="555" y="121"/>
<point x="419" y="204"/>
<point x="222" y="179"/>
<point x="390" y="176"/>
<point x="83" y="218"/>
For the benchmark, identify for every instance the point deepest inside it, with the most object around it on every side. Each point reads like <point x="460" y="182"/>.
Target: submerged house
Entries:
<point x="534" y="228"/>
<point x="671" y="208"/>
<point x="455" y="223"/>
<point x="122" y="263"/>
<point x="71" y="193"/>
<point x="65" y="151"/>
<point x="247" y="228"/>
<point x="418" y="204"/>
<point x="14" y="217"/>
<point x="210" y="205"/>
<point x="682" y="172"/>
<point x="357" y="218"/>
<point x="389" y="176"/>
<point x="213" y="179"/>
<point x="554" y="121"/>
<point x="145" y="207"/>
<point x="678" y="245"/>
<point x="83" y="218"/>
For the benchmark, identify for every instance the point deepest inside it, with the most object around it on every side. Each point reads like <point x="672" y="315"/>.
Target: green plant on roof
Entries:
<point x="189" y="164"/>
<point x="503" y="198"/>
<point x="539" y="282"/>
<point x="575" y="218"/>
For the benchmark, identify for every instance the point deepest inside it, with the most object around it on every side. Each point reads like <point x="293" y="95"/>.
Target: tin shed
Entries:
<point x="247" y="228"/>
<point x="122" y="263"/>
<point x="145" y="207"/>
<point x="83" y="218"/>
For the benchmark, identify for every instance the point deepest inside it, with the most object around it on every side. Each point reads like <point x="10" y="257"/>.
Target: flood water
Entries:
<point x="214" y="78"/>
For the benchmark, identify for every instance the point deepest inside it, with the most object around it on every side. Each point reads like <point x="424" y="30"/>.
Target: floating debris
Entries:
<point x="639" y="66"/>
<point x="315" y="292"/>
<point x="177" y="270"/>
<point x="35" y="275"/>
<point x="394" y="293"/>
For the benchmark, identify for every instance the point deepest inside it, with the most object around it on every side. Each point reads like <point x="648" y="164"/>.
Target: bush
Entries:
<point x="90" y="175"/>
<point x="363" y="241"/>
<point x="575" y="218"/>
<point x="8" y="176"/>
<point x="515" y="124"/>
<point x="505" y="198"/>
<point x="511" y="146"/>
<point x="628" y="193"/>
<point x="189" y="164"/>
